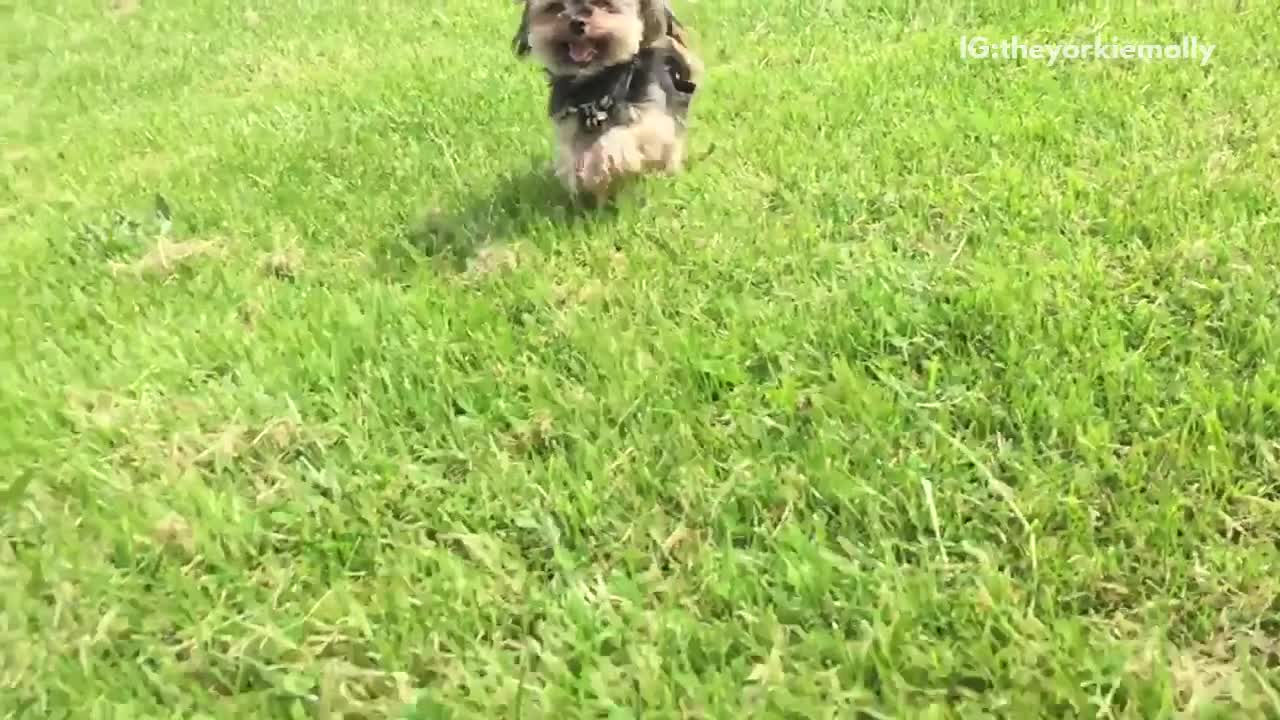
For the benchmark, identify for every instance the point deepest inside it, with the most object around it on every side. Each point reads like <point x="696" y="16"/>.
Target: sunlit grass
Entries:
<point x="933" y="388"/>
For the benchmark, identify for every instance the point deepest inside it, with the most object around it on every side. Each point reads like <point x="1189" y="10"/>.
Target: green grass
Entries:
<point x="933" y="389"/>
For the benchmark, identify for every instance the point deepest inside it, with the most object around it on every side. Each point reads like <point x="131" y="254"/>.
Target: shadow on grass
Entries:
<point x="517" y="205"/>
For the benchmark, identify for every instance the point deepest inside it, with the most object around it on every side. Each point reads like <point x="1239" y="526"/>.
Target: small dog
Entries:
<point x="622" y="79"/>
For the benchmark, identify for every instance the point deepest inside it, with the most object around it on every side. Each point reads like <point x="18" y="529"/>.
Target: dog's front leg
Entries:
<point x="612" y="157"/>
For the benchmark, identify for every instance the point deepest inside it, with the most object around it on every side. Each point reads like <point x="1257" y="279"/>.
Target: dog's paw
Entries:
<point x="672" y="159"/>
<point x="605" y="163"/>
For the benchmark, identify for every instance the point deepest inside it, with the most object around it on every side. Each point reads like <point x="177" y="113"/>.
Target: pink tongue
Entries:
<point x="581" y="51"/>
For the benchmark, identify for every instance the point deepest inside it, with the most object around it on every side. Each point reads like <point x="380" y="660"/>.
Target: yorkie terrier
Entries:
<point x="622" y="79"/>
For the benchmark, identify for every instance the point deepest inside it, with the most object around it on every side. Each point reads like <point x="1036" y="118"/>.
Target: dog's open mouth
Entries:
<point x="581" y="52"/>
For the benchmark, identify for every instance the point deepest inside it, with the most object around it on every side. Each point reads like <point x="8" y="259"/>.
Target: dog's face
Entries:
<point x="581" y="37"/>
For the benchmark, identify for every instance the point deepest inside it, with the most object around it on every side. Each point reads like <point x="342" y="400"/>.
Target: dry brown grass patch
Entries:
<point x="174" y="532"/>
<point x="1219" y="671"/>
<point x="122" y="8"/>
<point x="284" y="263"/>
<point x="491" y="259"/>
<point x="165" y="259"/>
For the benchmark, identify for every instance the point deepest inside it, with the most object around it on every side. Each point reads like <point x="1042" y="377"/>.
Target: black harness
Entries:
<point x="604" y="98"/>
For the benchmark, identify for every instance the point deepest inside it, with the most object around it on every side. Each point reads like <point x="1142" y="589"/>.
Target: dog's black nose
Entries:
<point x="578" y="26"/>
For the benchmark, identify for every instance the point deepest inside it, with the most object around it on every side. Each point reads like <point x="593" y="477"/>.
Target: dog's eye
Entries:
<point x="606" y="5"/>
<point x="554" y="8"/>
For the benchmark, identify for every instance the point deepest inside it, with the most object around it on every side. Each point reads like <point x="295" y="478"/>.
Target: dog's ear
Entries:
<point x="654" y="13"/>
<point x="674" y="28"/>
<point x="520" y="43"/>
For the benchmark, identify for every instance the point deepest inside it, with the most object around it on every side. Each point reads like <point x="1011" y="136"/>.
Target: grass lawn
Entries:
<point x="934" y="389"/>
